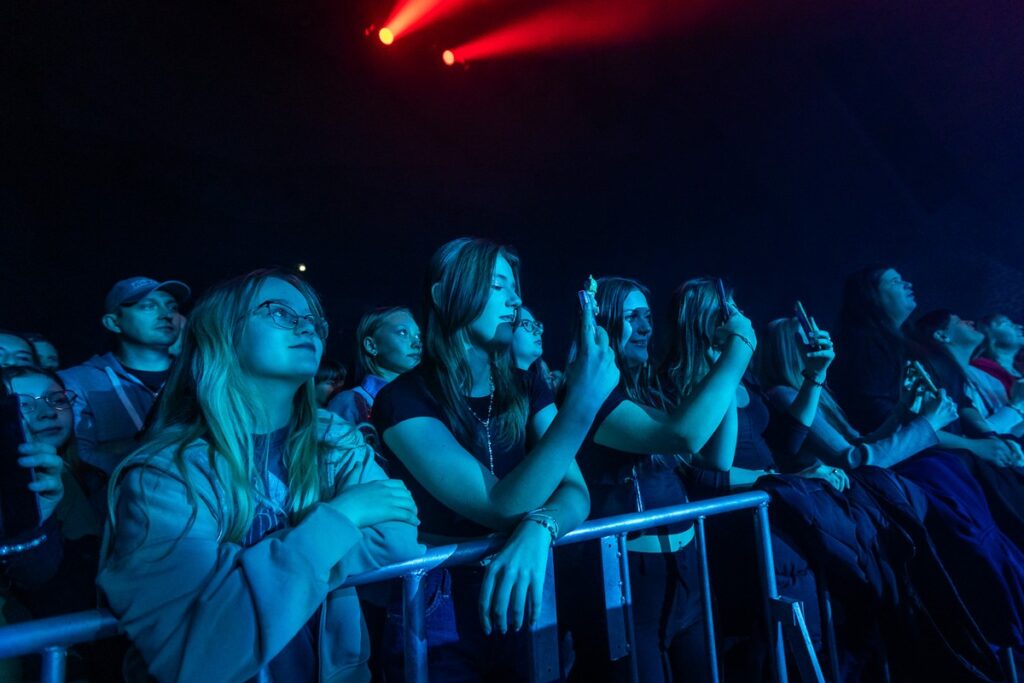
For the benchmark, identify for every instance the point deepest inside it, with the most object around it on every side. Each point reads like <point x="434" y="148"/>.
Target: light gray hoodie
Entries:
<point x="198" y="608"/>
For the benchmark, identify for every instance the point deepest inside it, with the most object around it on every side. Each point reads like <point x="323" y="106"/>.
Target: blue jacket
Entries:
<point x="111" y="408"/>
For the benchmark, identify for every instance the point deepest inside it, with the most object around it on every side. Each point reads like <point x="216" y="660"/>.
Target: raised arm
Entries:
<point x="686" y="429"/>
<point x="454" y="477"/>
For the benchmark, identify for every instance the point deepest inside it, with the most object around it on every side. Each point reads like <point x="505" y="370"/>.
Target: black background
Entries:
<point x="779" y="144"/>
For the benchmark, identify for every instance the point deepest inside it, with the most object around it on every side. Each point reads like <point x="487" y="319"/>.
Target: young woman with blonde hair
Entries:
<point x="235" y="523"/>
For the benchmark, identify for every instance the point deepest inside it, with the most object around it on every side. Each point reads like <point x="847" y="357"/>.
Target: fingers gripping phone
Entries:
<point x="915" y="374"/>
<point x="19" y="506"/>
<point x="588" y="296"/>
<point x="807" y="326"/>
<point x="723" y="301"/>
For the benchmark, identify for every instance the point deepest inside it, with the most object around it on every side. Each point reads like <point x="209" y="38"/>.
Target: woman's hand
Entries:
<point x="939" y="410"/>
<point x="738" y="325"/>
<point x="513" y="585"/>
<point x="995" y="451"/>
<point x="375" y="502"/>
<point x="48" y="465"/>
<point x="593" y="374"/>
<point x="833" y="475"/>
<point x="817" y="353"/>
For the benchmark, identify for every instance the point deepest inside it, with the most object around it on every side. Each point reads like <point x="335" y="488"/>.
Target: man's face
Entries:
<point x="151" y="321"/>
<point x="14" y="351"/>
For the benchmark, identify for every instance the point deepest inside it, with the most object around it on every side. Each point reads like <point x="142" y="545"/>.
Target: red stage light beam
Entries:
<point x="582" y="23"/>
<point x="448" y="57"/>
<point x="408" y="16"/>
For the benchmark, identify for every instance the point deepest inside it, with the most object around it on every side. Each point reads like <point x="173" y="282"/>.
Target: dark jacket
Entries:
<point x="871" y="544"/>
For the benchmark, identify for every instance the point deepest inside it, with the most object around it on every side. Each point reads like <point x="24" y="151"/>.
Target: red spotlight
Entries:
<point x="386" y="36"/>
<point x="448" y="57"/>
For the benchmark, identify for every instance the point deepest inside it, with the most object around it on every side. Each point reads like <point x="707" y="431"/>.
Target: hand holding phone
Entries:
<point x="808" y="327"/>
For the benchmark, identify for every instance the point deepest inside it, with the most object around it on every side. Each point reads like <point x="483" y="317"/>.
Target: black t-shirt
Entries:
<point x="412" y="395"/>
<point x="621" y="482"/>
<point x="154" y="380"/>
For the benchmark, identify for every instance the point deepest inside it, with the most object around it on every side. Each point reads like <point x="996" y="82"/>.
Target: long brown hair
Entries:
<point x="457" y="289"/>
<point x="696" y="313"/>
<point x="641" y="386"/>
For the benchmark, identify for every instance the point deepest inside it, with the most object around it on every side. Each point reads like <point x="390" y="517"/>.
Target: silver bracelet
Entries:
<point x="546" y="521"/>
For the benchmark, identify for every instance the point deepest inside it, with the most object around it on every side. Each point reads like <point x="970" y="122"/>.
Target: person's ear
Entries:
<point x="940" y="336"/>
<point x="111" y="323"/>
<point x="435" y="294"/>
<point x="370" y="346"/>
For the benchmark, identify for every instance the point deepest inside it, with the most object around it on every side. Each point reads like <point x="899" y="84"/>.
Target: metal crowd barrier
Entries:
<point x="51" y="637"/>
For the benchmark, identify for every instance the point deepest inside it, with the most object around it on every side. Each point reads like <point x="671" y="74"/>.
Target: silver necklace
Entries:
<point x="487" y="423"/>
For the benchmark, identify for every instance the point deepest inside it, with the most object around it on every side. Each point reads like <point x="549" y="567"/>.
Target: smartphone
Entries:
<point x="723" y="300"/>
<point x="19" y="507"/>
<point x="913" y="374"/>
<point x="924" y="376"/>
<point x="806" y="324"/>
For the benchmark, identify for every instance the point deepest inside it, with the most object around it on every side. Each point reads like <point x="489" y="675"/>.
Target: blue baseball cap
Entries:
<point x="132" y="289"/>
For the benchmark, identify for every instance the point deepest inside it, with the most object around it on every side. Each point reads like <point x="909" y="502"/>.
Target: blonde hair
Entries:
<point x="778" y="363"/>
<point x="207" y="398"/>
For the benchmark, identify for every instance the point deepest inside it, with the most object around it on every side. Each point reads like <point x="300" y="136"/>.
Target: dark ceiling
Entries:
<point x="782" y="147"/>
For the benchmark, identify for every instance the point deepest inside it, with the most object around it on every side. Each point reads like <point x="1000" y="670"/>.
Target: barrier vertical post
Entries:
<point x="627" y="597"/>
<point x="705" y="600"/>
<point x="828" y="625"/>
<point x="544" y="653"/>
<point x="415" y="627"/>
<point x="54" y="665"/>
<point x="776" y="641"/>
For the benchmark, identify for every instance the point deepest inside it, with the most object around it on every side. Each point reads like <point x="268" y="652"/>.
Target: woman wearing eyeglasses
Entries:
<point x="528" y="347"/>
<point x="57" y="576"/>
<point x="234" y="525"/>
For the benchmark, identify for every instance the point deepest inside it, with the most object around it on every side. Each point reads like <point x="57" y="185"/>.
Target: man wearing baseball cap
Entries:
<point x="116" y="390"/>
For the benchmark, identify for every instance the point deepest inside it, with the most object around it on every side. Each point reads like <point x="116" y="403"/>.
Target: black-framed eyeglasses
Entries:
<point x="58" y="400"/>
<point x="285" y="317"/>
<point x="532" y="326"/>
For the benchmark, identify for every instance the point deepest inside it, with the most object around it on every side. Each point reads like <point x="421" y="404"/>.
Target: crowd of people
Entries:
<point x="214" y="481"/>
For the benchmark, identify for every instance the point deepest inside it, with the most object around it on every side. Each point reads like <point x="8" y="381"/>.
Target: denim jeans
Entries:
<point x="458" y="651"/>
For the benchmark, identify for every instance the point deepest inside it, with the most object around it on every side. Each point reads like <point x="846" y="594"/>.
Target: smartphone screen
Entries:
<point x="19" y="507"/>
<point x="803" y="319"/>
<point x="723" y="299"/>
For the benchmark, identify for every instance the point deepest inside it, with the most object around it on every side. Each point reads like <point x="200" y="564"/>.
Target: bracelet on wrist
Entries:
<point x="742" y="339"/>
<point x="812" y="379"/>
<point x="546" y="521"/>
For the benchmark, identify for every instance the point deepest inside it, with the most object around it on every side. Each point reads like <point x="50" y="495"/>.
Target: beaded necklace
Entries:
<point x="487" y="423"/>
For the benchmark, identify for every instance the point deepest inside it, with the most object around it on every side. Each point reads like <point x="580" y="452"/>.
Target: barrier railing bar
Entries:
<point x="60" y="632"/>
<point x="705" y="600"/>
<point x="63" y="631"/>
